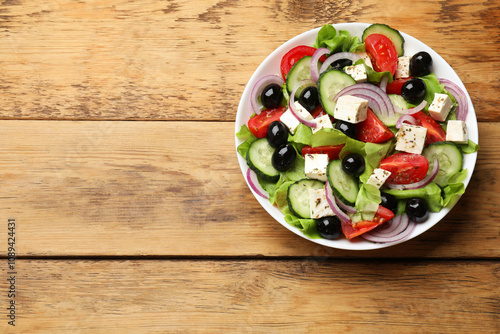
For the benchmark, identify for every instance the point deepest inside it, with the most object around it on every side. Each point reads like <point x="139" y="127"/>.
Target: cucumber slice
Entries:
<point x="298" y="196"/>
<point x="390" y="33"/>
<point x="397" y="101"/>
<point x="344" y="186"/>
<point x="301" y="70"/>
<point x="329" y="84"/>
<point x="450" y="160"/>
<point x="259" y="160"/>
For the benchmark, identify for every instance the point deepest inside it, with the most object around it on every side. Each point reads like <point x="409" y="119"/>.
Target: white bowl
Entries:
<point x="271" y="65"/>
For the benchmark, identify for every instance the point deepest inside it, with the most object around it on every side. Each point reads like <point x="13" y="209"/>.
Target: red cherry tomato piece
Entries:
<point x="259" y="123"/>
<point x="434" y="131"/>
<point x="354" y="230"/>
<point x="372" y="130"/>
<point x="292" y="56"/>
<point x="382" y="53"/>
<point x="332" y="151"/>
<point x="405" y="168"/>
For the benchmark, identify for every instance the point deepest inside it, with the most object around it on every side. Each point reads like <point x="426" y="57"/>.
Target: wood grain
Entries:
<point x="175" y="189"/>
<point x="190" y="60"/>
<point x="255" y="297"/>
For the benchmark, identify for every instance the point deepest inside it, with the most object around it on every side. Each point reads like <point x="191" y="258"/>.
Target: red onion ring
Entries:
<point x="254" y="184"/>
<point x="330" y="198"/>
<point x="459" y="95"/>
<point x="379" y="94"/>
<point x="410" y="227"/>
<point x="420" y="184"/>
<point x="383" y="83"/>
<point x="389" y="226"/>
<point x="336" y="56"/>
<point x="344" y="206"/>
<point x="400" y="224"/>
<point x="405" y="118"/>
<point x="259" y="86"/>
<point x="314" y="62"/>
<point x="413" y="110"/>
<point x="293" y="108"/>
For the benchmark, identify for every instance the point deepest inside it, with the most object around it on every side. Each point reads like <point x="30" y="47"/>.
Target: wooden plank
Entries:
<point x="298" y="296"/>
<point x="175" y="188"/>
<point x="190" y="60"/>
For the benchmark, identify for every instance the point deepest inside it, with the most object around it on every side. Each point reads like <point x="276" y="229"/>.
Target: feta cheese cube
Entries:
<point x="411" y="138"/>
<point x="440" y="107"/>
<point x="403" y="68"/>
<point x="315" y="166"/>
<point x="357" y="72"/>
<point x="318" y="205"/>
<point x="290" y="121"/>
<point x="322" y="122"/>
<point x="366" y="58"/>
<point x="351" y="109"/>
<point x="378" y="177"/>
<point x="456" y="131"/>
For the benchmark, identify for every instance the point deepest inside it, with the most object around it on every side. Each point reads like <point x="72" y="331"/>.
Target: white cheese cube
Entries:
<point x="403" y="68"/>
<point x="378" y="177"/>
<point x="315" y="166"/>
<point x="290" y="121"/>
<point x="411" y="138"/>
<point x="440" y="107"/>
<point x="456" y="131"/>
<point x="357" y="72"/>
<point x="366" y="58"/>
<point x="318" y="205"/>
<point x="351" y="109"/>
<point x="322" y="122"/>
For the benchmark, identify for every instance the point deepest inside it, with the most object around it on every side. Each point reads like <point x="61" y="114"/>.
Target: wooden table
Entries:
<point x="132" y="215"/>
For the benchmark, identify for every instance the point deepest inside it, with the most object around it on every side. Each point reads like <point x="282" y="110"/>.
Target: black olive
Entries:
<point x="417" y="209"/>
<point x="389" y="202"/>
<point x="277" y="134"/>
<point x="353" y="164"/>
<point x="283" y="157"/>
<point x="271" y="96"/>
<point x="329" y="227"/>
<point x="339" y="64"/>
<point x="420" y="64"/>
<point x="309" y="98"/>
<point x="347" y="128"/>
<point x="414" y="90"/>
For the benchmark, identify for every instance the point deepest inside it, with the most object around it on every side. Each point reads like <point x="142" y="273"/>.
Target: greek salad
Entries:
<point x="356" y="138"/>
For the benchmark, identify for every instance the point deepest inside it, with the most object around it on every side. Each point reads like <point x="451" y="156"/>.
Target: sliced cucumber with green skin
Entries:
<point x="259" y="158"/>
<point x="450" y="159"/>
<point x="330" y="83"/>
<point x="397" y="101"/>
<point x="344" y="186"/>
<point x="301" y="70"/>
<point x="298" y="196"/>
<point x="390" y="33"/>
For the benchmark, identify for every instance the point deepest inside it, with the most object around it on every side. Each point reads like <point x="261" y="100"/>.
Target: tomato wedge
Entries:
<point x="332" y="151"/>
<point x="354" y="230"/>
<point x="372" y="130"/>
<point x="405" y="168"/>
<point x="291" y="57"/>
<point x="259" y="123"/>
<point x="382" y="53"/>
<point x="434" y="131"/>
<point x="395" y="86"/>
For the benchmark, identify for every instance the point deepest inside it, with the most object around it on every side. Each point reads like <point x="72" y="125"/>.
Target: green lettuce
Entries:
<point x="452" y="193"/>
<point x="374" y="76"/>
<point x="367" y="202"/>
<point x="470" y="147"/>
<point x="248" y="138"/>
<point x="327" y="137"/>
<point x="431" y="193"/>
<point x="337" y="42"/>
<point x="302" y="135"/>
<point x="305" y="225"/>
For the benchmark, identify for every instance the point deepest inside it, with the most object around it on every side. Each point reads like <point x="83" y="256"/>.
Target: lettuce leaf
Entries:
<point x="329" y="38"/>
<point x="431" y="193"/>
<point x="452" y="193"/>
<point x="470" y="147"/>
<point x="327" y="137"/>
<point x="302" y="135"/>
<point x="374" y="76"/>
<point x="248" y="137"/>
<point x="306" y="226"/>
<point x="367" y="201"/>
